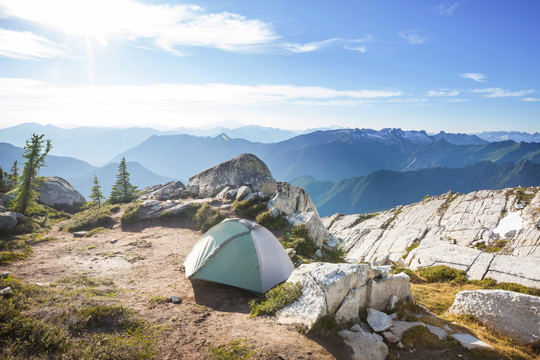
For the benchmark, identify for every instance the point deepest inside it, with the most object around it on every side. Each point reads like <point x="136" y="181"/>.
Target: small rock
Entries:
<point x="399" y="327"/>
<point x="470" y="342"/>
<point x="6" y="291"/>
<point x="391" y="338"/>
<point x="399" y="345"/>
<point x="42" y="284"/>
<point x="243" y="191"/>
<point x="112" y="241"/>
<point x="448" y="329"/>
<point x="79" y="234"/>
<point x="357" y="328"/>
<point x="318" y="254"/>
<point x="176" y="300"/>
<point x="435" y="330"/>
<point x="361" y="327"/>
<point x="392" y="303"/>
<point x="365" y="346"/>
<point x="378" y="320"/>
<point x="4" y="275"/>
<point x="291" y="252"/>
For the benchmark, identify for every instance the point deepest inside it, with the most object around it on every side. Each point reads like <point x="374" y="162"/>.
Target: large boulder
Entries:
<point x="512" y="314"/>
<point x="246" y="169"/>
<point x="169" y="191"/>
<point x="8" y="219"/>
<point x="324" y="287"/>
<point x="365" y="346"/>
<point x="380" y="292"/>
<point x="296" y="203"/>
<point x="59" y="194"/>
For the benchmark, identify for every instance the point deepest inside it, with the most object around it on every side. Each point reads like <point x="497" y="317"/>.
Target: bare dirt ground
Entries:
<point x="146" y="262"/>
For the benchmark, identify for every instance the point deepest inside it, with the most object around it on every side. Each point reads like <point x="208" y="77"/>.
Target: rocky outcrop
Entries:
<point x="9" y="219"/>
<point x="153" y="209"/>
<point x="342" y="290"/>
<point x="172" y="190"/>
<point x="477" y="264"/>
<point x="59" y="194"/>
<point x="246" y="169"/>
<point x="512" y="314"/>
<point x="297" y="205"/>
<point x="481" y="216"/>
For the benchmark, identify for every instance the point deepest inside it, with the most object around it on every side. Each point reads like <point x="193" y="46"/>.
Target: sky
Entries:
<point x="458" y="66"/>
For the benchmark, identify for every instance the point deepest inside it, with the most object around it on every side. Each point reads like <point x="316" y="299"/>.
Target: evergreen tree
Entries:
<point x="26" y="199"/>
<point x="4" y="181"/>
<point x="122" y="190"/>
<point x="14" y="176"/>
<point x="97" y="195"/>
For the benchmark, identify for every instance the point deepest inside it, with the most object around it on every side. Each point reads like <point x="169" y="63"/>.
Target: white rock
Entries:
<point x="223" y="193"/>
<point x="349" y="309"/>
<point x="470" y="342"/>
<point x="290" y="252"/>
<point x="392" y="303"/>
<point x="379" y="292"/>
<point x="365" y="346"/>
<point x="324" y="286"/>
<point x="317" y="254"/>
<point x="399" y="327"/>
<point x="243" y="191"/>
<point x="440" y="333"/>
<point x="512" y="314"/>
<point x="391" y="338"/>
<point x="511" y="221"/>
<point x="57" y="192"/>
<point x="378" y="320"/>
<point x="313" y="223"/>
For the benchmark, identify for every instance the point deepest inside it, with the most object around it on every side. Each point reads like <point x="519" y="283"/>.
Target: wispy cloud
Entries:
<point x="317" y="45"/>
<point x="498" y="92"/>
<point x="530" y="99"/>
<point x="28" y="46"/>
<point x="413" y="37"/>
<point x="447" y="9"/>
<point x="474" y="76"/>
<point x="458" y="100"/>
<point x="443" y="92"/>
<point x="168" y="26"/>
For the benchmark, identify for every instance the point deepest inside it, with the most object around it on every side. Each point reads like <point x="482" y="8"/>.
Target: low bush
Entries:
<point x="276" y="299"/>
<point x="442" y="273"/>
<point x="334" y="255"/>
<point x="89" y="219"/>
<point x="250" y="209"/>
<point x="298" y="239"/>
<point x="272" y="222"/>
<point x="131" y="213"/>
<point x="207" y="216"/>
<point x="414" y="278"/>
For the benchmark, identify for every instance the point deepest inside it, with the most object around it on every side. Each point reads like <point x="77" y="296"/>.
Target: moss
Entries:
<point x="234" y="350"/>
<point x="326" y="324"/>
<point x="207" y="216"/>
<point x="271" y="222"/>
<point x="498" y="246"/>
<point x="276" y="299"/>
<point x="411" y="247"/>
<point x="422" y="335"/>
<point x="95" y="231"/>
<point x="298" y="239"/>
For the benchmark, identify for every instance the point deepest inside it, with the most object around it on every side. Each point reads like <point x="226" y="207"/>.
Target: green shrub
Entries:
<point x="298" y="239"/>
<point x="414" y="278"/>
<point x="334" y="255"/>
<point x="250" y="209"/>
<point x="442" y="273"/>
<point x="131" y="213"/>
<point x="89" y="219"/>
<point x="411" y="247"/>
<point x="327" y="323"/>
<point x="276" y="299"/>
<point x="234" y="350"/>
<point x="271" y="222"/>
<point x="207" y="216"/>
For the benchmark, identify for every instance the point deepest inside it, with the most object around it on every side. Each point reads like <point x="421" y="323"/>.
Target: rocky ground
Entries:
<point x="145" y="262"/>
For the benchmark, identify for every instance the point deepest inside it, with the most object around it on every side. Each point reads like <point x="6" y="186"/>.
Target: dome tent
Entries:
<point x="239" y="253"/>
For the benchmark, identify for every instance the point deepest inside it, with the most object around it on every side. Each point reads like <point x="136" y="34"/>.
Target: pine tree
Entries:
<point x="14" y="176"/>
<point x="4" y="181"/>
<point x="97" y="195"/>
<point x="122" y="190"/>
<point x="26" y="199"/>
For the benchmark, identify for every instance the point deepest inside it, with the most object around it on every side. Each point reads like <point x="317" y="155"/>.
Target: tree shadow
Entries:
<point x="221" y="297"/>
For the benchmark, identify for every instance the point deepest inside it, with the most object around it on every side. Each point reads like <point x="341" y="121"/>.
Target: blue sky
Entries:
<point x="461" y="66"/>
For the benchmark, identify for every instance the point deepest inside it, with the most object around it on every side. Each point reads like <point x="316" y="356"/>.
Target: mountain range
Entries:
<point x="384" y="189"/>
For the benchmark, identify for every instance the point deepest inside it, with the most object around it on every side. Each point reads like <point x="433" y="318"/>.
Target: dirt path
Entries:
<point x="146" y="261"/>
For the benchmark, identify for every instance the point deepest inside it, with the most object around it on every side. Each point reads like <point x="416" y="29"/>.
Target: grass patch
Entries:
<point x="497" y="246"/>
<point x="89" y="219"/>
<point x="299" y="240"/>
<point x="63" y="321"/>
<point x="334" y="255"/>
<point x="276" y="299"/>
<point x="272" y="222"/>
<point x="250" y="209"/>
<point x="446" y="204"/>
<point x="95" y="231"/>
<point x="131" y="213"/>
<point x="14" y="250"/>
<point x="207" y="217"/>
<point x="442" y="273"/>
<point x="158" y="300"/>
<point x="234" y="350"/>
<point x="326" y="324"/>
<point x="421" y="334"/>
<point x="415" y="279"/>
<point x="411" y="247"/>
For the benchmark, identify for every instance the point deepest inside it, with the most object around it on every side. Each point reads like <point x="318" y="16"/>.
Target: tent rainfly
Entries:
<point x="239" y="253"/>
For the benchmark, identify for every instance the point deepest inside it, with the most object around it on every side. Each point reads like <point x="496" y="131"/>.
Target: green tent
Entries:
<point x="239" y="253"/>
